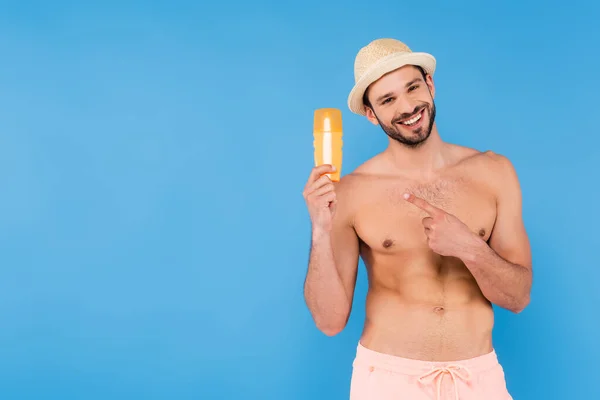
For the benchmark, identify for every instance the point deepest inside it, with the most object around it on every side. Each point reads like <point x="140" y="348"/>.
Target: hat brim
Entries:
<point x="382" y="67"/>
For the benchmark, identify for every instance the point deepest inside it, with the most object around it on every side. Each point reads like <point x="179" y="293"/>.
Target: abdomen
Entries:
<point x="426" y="307"/>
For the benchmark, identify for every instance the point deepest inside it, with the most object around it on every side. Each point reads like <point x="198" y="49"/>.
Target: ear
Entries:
<point x="430" y="85"/>
<point x="371" y="115"/>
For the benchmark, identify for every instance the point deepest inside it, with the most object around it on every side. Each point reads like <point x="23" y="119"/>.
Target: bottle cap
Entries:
<point x="328" y="120"/>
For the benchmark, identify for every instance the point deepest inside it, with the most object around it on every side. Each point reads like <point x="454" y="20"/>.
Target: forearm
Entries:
<point x="324" y="291"/>
<point x="503" y="283"/>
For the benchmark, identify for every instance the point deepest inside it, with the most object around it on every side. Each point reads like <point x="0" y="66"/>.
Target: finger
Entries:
<point x="318" y="171"/>
<point x="422" y="204"/>
<point x="319" y="183"/>
<point x="317" y="175"/>
<point x="323" y="190"/>
<point x="329" y="198"/>
<point x="311" y="187"/>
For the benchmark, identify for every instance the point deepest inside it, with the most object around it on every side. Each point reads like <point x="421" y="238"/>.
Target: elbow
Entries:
<point x="521" y="305"/>
<point x="331" y="329"/>
<point x="331" y="326"/>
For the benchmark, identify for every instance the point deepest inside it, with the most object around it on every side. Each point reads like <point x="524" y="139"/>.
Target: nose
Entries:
<point x="406" y="105"/>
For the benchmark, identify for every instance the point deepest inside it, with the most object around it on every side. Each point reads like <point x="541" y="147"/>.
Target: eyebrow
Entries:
<point x="412" y="82"/>
<point x="383" y="97"/>
<point x="388" y="94"/>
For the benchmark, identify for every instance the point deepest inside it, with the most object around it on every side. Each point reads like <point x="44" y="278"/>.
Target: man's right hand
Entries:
<point x="319" y="194"/>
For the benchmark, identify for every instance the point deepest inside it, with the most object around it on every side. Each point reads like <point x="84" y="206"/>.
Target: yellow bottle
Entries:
<point x="327" y="133"/>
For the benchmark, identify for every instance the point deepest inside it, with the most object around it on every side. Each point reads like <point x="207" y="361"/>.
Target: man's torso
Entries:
<point x="422" y="305"/>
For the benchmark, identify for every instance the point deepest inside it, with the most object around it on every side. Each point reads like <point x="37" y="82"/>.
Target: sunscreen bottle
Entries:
<point x="327" y="133"/>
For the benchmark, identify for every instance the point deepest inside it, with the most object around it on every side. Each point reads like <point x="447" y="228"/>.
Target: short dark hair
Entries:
<point x="366" y="94"/>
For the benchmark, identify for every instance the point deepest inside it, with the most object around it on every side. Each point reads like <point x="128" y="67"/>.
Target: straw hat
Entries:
<point x="377" y="59"/>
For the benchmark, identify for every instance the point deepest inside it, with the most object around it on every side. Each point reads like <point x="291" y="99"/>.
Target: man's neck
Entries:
<point x="422" y="161"/>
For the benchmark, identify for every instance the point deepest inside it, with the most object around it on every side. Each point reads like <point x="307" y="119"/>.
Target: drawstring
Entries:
<point x="436" y="374"/>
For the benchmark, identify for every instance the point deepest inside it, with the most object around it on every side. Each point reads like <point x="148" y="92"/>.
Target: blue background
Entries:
<point x="154" y="240"/>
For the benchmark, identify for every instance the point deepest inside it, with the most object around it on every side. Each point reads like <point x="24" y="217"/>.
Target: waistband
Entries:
<point x="371" y="358"/>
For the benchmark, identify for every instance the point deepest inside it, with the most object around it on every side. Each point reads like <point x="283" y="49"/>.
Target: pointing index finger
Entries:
<point x="422" y="204"/>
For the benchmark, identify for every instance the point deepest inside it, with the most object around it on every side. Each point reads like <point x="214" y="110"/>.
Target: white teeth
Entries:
<point x="413" y="120"/>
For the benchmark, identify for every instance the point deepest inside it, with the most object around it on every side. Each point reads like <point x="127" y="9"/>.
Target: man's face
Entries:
<point x="402" y="104"/>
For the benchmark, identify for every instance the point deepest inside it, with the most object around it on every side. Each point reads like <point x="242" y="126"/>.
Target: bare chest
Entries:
<point x="387" y="223"/>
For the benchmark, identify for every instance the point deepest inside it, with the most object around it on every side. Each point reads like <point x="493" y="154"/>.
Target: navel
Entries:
<point x="438" y="310"/>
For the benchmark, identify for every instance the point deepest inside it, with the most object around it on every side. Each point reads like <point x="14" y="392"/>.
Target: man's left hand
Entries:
<point x="446" y="234"/>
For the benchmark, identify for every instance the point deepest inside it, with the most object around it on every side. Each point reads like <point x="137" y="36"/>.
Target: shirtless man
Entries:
<point x="440" y="231"/>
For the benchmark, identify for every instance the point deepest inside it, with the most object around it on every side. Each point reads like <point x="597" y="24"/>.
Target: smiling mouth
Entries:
<point x="412" y="121"/>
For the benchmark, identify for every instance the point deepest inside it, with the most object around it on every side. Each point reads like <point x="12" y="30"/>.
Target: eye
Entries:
<point x="413" y="87"/>
<point x="386" y="100"/>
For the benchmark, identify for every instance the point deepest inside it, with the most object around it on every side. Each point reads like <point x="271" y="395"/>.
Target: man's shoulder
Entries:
<point x="349" y="194"/>
<point x="349" y="181"/>
<point x="489" y="161"/>
<point x="498" y="163"/>
<point x="359" y="175"/>
<point x="495" y="157"/>
<point x="494" y="168"/>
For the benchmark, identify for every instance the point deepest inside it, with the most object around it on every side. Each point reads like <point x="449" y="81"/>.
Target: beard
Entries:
<point x="413" y="138"/>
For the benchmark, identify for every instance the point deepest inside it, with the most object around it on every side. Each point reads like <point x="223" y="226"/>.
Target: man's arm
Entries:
<point x="503" y="265"/>
<point x="332" y="268"/>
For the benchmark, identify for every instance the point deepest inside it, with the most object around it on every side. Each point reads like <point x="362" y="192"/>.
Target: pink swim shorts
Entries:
<point x="378" y="376"/>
